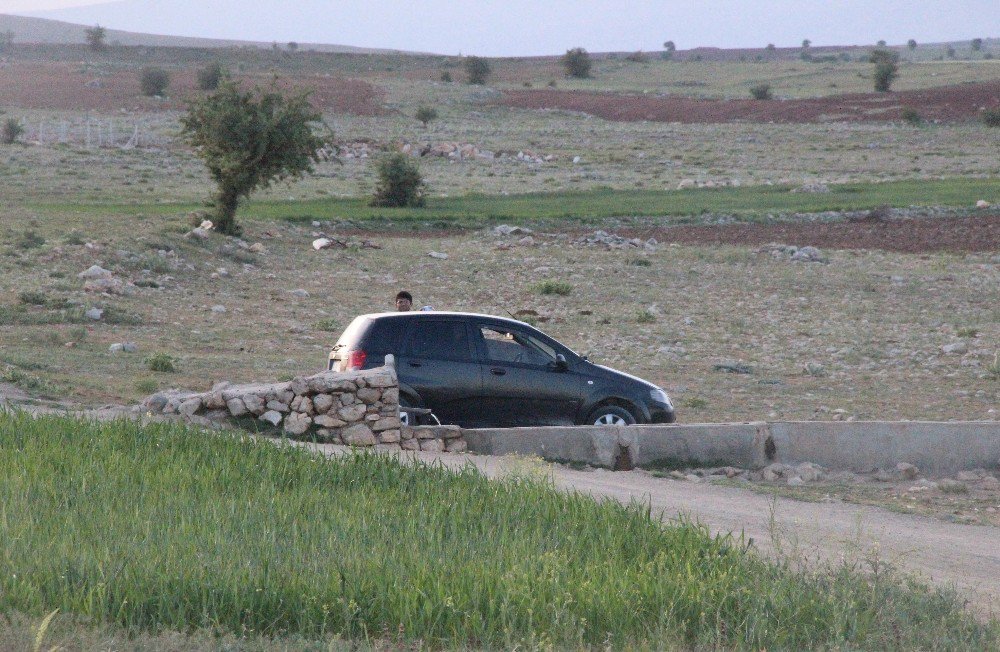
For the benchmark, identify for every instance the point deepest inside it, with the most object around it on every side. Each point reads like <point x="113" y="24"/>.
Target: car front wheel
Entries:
<point x="611" y="415"/>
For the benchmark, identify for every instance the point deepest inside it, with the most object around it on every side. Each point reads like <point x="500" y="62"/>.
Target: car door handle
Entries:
<point x="416" y="364"/>
<point x="497" y="371"/>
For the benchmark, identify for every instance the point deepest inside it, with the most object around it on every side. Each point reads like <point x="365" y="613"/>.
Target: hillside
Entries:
<point x="43" y="30"/>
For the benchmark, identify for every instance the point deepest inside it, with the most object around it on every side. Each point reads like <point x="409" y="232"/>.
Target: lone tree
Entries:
<point x="399" y="183"/>
<point x="668" y="50"/>
<point x="977" y="44"/>
<point x="425" y="114"/>
<point x="96" y="38"/>
<point x="806" y="43"/>
<point x="886" y="68"/>
<point x="248" y="140"/>
<point x="11" y="131"/>
<point x="478" y="69"/>
<point x="911" y="44"/>
<point x="211" y="76"/>
<point x="153" y="81"/>
<point x="577" y="63"/>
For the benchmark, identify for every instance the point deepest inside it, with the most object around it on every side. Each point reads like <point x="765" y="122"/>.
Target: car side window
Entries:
<point x="509" y="346"/>
<point x="440" y="340"/>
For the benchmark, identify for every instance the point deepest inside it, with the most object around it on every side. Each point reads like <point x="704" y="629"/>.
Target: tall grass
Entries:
<point x="163" y="528"/>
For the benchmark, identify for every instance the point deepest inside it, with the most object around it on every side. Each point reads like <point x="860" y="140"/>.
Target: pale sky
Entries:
<point x="527" y="27"/>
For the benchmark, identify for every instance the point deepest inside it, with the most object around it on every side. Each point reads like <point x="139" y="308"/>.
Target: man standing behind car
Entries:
<point x="404" y="301"/>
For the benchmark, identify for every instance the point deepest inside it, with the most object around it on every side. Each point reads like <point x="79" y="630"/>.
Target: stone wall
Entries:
<point x="356" y="408"/>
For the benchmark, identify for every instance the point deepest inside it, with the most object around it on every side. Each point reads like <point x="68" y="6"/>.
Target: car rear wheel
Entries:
<point x="611" y="415"/>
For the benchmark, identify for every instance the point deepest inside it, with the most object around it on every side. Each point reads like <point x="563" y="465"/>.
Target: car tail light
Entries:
<point x="356" y="360"/>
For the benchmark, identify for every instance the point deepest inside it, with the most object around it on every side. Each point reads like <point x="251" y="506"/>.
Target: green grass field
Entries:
<point x="162" y="528"/>
<point x="581" y="207"/>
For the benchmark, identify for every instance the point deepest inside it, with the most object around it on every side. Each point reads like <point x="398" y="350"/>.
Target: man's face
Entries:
<point x="403" y="304"/>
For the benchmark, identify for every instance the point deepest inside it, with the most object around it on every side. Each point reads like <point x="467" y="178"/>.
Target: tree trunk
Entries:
<point x="225" y="212"/>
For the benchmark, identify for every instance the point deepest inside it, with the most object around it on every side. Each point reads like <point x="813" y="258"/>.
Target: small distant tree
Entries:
<point x="886" y="68"/>
<point x="770" y="47"/>
<point x="911" y="44"/>
<point x="11" y="131"/>
<point x="911" y="116"/>
<point x="96" y="38"/>
<point x="248" y="140"/>
<point x="950" y="51"/>
<point x="293" y="46"/>
<point x="577" y="63"/>
<point x="806" y="43"/>
<point x="761" y="91"/>
<point x="478" y="69"/>
<point x="668" y="50"/>
<point x="425" y="114"/>
<point x="637" y="57"/>
<point x="977" y="44"/>
<point x="399" y="183"/>
<point x="153" y="81"/>
<point x="881" y="44"/>
<point x="991" y="117"/>
<point x="211" y="76"/>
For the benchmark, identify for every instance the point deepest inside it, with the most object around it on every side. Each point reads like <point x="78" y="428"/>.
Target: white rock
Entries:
<point x="982" y="203"/>
<point x="438" y="255"/>
<point x="321" y="243"/>
<point x="94" y="313"/>
<point x="955" y="348"/>
<point x="197" y="233"/>
<point x="93" y="272"/>
<point x="299" y="292"/>
<point x="218" y="309"/>
<point x="206" y="225"/>
<point x="271" y="416"/>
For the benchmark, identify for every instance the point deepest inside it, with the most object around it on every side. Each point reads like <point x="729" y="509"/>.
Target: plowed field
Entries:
<point x="947" y="104"/>
<point x="977" y="233"/>
<point x="68" y="87"/>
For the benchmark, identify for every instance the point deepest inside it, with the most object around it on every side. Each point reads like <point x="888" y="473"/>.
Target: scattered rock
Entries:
<point x="218" y="309"/>
<point x="982" y="203"/>
<point x="299" y="292"/>
<point x="907" y="471"/>
<point x="506" y="230"/>
<point x="733" y="368"/>
<point x="812" y="188"/>
<point x="438" y="255"/>
<point x="94" y="272"/>
<point x="120" y="347"/>
<point x="94" y="313"/>
<point x="197" y="233"/>
<point x="955" y="348"/>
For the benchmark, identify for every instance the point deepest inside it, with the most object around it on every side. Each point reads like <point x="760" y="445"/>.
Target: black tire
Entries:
<point x="610" y="415"/>
<point x="405" y="418"/>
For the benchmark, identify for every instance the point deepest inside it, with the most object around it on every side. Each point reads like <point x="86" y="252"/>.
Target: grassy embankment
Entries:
<point x="588" y="207"/>
<point x="158" y="528"/>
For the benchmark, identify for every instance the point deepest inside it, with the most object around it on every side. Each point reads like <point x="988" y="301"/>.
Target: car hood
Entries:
<point x="609" y="372"/>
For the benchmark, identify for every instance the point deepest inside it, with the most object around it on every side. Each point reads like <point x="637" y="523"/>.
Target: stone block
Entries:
<point x="358" y="435"/>
<point x="380" y="381"/>
<point x="432" y="445"/>
<point x="386" y="423"/>
<point x="322" y="403"/>
<point x="368" y="395"/>
<point x="327" y="421"/>
<point x="277" y="406"/>
<point x="389" y="437"/>
<point x="272" y="416"/>
<point x="214" y="401"/>
<point x="456" y="445"/>
<point x="352" y="412"/>
<point x="236" y="407"/>
<point x="254" y="404"/>
<point x="297" y="423"/>
<point x="410" y="444"/>
<point x="390" y="396"/>
<point x="190" y="406"/>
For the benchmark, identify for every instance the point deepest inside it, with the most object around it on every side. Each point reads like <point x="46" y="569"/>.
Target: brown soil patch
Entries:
<point x="947" y="103"/>
<point x="978" y="233"/>
<point x="68" y="87"/>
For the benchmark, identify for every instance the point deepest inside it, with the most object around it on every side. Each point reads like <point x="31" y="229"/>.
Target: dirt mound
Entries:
<point x="978" y="233"/>
<point x="70" y="87"/>
<point x="946" y="103"/>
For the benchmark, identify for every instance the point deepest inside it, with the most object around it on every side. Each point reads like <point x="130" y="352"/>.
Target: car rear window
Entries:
<point x="386" y="336"/>
<point x="350" y="338"/>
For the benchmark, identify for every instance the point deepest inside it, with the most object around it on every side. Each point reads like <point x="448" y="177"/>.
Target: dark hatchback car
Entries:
<point x="484" y="371"/>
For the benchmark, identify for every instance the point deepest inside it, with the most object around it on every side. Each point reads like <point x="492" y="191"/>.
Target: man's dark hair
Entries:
<point x="405" y="295"/>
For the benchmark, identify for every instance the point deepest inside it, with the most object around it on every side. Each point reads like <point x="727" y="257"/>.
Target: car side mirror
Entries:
<point x="560" y="364"/>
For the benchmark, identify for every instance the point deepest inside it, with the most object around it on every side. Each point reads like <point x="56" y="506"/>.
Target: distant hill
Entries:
<point x="43" y="30"/>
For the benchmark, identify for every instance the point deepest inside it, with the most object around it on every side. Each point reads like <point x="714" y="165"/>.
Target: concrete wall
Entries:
<point x="936" y="448"/>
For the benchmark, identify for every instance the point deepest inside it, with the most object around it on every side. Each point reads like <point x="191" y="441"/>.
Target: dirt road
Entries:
<point x="966" y="557"/>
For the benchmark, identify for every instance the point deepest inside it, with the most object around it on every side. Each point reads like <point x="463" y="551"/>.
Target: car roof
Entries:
<point x="427" y="314"/>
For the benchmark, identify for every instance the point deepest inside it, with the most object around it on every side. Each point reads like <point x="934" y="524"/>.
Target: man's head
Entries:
<point x="404" y="301"/>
